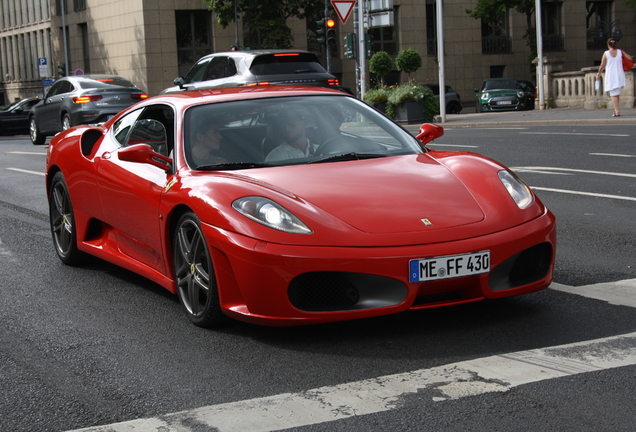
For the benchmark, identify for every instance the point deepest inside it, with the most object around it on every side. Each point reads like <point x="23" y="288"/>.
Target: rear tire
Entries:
<point x="36" y="137"/>
<point x="66" y="122"/>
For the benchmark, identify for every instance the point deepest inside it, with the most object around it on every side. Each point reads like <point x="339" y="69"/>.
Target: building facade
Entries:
<point x="25" y="37"/>
<point x="151" y="42"/>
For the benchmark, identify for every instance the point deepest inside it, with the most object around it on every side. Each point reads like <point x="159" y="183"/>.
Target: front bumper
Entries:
<point x="275" y="284"/>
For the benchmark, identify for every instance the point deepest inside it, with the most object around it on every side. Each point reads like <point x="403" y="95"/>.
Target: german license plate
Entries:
<point x="504" y="103"/>
<point x="446" y="267"/>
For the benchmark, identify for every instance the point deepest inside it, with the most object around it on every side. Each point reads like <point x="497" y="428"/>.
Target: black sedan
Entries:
<point x="14" y="119"/>
<point x="76" y="100"/>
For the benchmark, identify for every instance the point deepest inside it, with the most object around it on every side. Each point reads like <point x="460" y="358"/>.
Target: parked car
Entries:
<point x="453" y="101"/>
<point x="76" y="100"/>
<point x="350" y="216"/>
<point x="14" y="119"/>
<point x="531" y="93"/>
<point x="258" y="67"/>
<point x="503" y="94"/>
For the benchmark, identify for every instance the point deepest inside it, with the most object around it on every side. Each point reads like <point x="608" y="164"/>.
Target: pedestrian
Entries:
<point x="612" y="62"/>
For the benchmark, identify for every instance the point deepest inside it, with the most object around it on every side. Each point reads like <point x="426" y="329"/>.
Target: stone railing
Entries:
<point x="576" y="89"/>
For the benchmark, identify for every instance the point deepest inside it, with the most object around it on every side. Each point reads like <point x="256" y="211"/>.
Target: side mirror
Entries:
<point x="428" y="132"/>
<point x="143" y="153"/>
<point x="179" y="81"/>
<point x="476" y="90"/>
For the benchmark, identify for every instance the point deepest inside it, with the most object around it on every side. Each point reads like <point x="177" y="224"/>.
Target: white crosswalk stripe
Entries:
<point x="497" y="373"/>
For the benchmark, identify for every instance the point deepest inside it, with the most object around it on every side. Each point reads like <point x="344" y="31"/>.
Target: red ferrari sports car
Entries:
<point x="293" y="205"/>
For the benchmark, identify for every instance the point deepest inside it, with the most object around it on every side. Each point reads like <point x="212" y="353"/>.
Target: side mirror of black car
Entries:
<point x="144" y="153"/>
<point x="179" y="81"/>
<point x="428" y="132"/>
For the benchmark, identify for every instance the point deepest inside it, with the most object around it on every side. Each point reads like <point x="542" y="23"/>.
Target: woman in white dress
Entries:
<point x="612" y="62"/>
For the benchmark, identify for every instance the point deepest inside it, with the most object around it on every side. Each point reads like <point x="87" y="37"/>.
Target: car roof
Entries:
<point x="255" y="53"/>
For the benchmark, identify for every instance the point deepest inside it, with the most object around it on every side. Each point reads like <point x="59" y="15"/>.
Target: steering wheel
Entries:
<point x="336" y="142"/>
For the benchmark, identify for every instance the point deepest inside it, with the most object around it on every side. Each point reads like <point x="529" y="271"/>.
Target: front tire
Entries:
<point x="36" y="137"/>
<point x="194" y="274"/>
<point x="62" y="222"/>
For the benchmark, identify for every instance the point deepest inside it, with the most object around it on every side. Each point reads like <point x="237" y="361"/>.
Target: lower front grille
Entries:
<point x="526" y="267"/>
<point x="338" y="291"/>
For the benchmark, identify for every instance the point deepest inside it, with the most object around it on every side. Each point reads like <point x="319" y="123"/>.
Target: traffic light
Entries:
<point x="350" y="45"/>
<point x="331" y="32"/>
<point x="61" y="70"/>
<point x="368" y="45"/>
<point x="321" y="32"/>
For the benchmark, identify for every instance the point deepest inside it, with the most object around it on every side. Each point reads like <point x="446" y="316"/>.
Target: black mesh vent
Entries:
<point x="89" y="138"/>
<point x="531" y="265"/>
<point x="323" y="291"/>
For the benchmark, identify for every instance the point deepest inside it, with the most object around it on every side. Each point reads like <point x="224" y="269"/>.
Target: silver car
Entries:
<point x="256" y="67"/>
<point x="75" y="100"/>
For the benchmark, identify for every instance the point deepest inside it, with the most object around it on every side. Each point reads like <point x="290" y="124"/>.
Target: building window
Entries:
<point x="194" y="37"/>
<point x="431" y="28"/>
<point x="551" y="26"/>
<point x="385" y="39"/>
<point x="79" y="5"/>
<point x="83" y="28"/>
<point x="495" y="38"/>
<point x="58" y="7"/>
<point x="600" y="26"/>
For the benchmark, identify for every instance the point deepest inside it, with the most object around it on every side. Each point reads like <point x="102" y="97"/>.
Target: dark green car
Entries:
<point x="504" y="94"/>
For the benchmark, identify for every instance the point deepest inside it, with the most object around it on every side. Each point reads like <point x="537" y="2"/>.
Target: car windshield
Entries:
<point x="500" y="85"/>
<point x="290" y="131"/>
<point x="285" y="63"/>
<point x="106" y="82"/>
<point x="10" y="107"/>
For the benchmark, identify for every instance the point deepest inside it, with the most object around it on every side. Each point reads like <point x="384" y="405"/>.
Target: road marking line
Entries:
<point x="621" y="293"/>
<point x="597" y="195"/>
<point x="498" y="373"/>
<point x="26" y="171"/>
<point x="531" y="168"/>
<point x="26" y="153"/>
<point x="573" y="133"/>
<point x="612" y="154"/>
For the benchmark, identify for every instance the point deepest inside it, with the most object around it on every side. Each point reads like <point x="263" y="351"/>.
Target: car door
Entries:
<point x="48" y="115"/>
<point x="130" y="192"/>
<point x="20" y="123"/>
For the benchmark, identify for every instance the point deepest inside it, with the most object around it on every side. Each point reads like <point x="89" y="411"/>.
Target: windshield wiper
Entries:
<point x="303" y="71"/>
<point x="348" y="157"/>
<point x="233" y="165"/>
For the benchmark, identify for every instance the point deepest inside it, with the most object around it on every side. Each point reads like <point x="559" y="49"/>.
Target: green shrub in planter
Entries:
<point x="375" y="97"/>
<point x="401" y="94"/>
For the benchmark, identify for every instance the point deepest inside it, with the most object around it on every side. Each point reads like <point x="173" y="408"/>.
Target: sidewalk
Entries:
<point x="551" y="117"/>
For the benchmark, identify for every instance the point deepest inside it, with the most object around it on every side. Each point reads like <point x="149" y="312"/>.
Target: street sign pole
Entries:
<point x="361" y="50"/>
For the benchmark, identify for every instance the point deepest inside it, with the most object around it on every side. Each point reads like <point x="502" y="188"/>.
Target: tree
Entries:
<point x="380" y="64"/>
<point x="408" y="60"/>
<point x="491" y="10"/>
<point x="267" y="17"/>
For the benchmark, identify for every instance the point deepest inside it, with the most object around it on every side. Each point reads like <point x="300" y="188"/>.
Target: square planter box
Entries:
<point x="410" y="112"/>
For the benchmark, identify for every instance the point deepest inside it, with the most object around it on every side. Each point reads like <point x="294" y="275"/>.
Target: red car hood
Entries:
<point x="381" y="196"/>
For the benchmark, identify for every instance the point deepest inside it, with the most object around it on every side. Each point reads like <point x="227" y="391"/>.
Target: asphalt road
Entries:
<point x="97" y="345"/>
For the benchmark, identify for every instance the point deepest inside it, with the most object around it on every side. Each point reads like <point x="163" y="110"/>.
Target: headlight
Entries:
<point x="520" y="94"/>
<point x="484" y="96"/>
<point x="270" y="214"/>
<point x="517" y="189"/>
